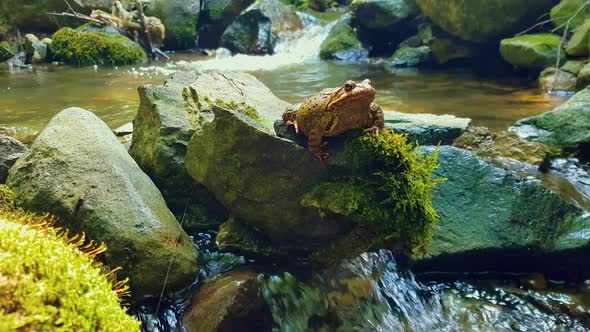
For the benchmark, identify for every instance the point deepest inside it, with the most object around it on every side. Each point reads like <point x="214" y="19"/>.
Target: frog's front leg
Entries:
<point x="314" y="144"/>
<point x="376" y="120"/>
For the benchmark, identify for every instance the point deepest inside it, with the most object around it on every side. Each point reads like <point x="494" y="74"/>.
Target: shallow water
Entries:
<point x="29" y="98"/>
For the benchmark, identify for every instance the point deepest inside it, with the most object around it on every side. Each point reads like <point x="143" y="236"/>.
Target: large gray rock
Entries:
<point x="216" y="16"/>
<point x="250" y="33"/>
<point x="78" y="171"/>
<point x="566" y="127"/>
<point x="180" y="18"/>
<point x="10" y="150"/>
<point x="382" y="14"/>
<point x="342" y="43"/>
<point x="427" y="129"/>
<point x="493" y="220"/>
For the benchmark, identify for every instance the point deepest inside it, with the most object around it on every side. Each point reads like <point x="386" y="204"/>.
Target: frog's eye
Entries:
<point x="349" y="85"/>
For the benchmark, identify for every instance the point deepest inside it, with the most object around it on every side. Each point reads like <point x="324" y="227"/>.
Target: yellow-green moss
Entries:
<point x="95" y="48"/>
<point x="49" y="282"/>
<point x="390" y="191"/>
<point x="244" y="109"/>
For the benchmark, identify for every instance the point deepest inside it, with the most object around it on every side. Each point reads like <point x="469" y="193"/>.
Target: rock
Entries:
<point x="180" y="17"/>
<point x="492" y="220"/>
<point x="412" y="57"/>
<point x="484" y="20"/>
<point x="86" y="47"/>
<point x="578" y="43"/>
<point x="534" y="51"/>
<point x="567" y="9"/>
<point x="573" y="66"/>
<point x="250" y="33"/>
<point x="445" y="49"/>
<point x="343" y="44"/>
<point x="427" y="129"/>
<point x="215" y="17"/>
<point x="485" y="143"/>
<point x="35" y="49"/>
<point x="6" y="51"/>
<point x="78" y="171"/>
<point x="556" y="80"/>
<point x="566" y="127"/>
<point x="123" y="130"/>
<point x="10" y="150"/>
<point x="283" y="17"/>
<point x="230" y="303"/>
<point x="383" y="14"/>
<point x="583" y="77"/>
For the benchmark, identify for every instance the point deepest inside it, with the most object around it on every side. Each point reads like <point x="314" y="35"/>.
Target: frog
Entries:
<point x="335" y="111"/>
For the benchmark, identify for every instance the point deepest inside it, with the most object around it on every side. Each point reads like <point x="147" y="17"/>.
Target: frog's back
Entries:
<point x="310" y="112"/>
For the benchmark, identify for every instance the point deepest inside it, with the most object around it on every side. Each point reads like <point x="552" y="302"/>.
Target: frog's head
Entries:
<point x="352" y="96"/>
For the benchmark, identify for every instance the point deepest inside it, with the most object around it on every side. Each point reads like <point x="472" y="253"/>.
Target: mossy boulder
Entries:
<point x="412" y="57"/>
<point x="50" y="280"/>
<point x="566" y="9"/>
<point x="551" y="79"/>
<point x="215" y="17"/>
<point x="78" y="171"/>
<point x="250" y="33"/>
<point x="535" y="51"/>
<point x="566" y="127"/>
<point x="230" y="303"/>
<point x="342" y="43"/>
<point x="382" y="14"/>
<point x="180" y="18"/>
<point x="427" y="129"/>
<point x="492" y="220"/>
<point x="484" y="20"/>
<point x="6" y="51"/>
<point x="10" y="150"/>
<point x="283" y="16"/>
<point x="573" y="66"/>
<point x="83" y="47"/>
<point x="583" y="79"/>
<point x="580" y="41"/>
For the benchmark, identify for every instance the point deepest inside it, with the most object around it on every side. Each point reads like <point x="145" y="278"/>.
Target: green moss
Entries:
<point x="244" y="109"/>
<point x="565" y="10"/>
<point x="532" y="51"/>
<point x="49" y="280"/>
<point x="342" y="37"/>
<point x="390" y="191"/>
<point x="89" y="48"/>
<point x="6" y="51"/>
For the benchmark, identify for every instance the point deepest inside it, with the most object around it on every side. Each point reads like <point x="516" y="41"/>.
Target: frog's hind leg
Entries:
<point x="376" y="121"/>
<point x="314" y="144"/>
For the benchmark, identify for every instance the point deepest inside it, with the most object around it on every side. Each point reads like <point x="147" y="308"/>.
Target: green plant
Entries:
<point x="90" y="48"/>
<point x="49" y="280"/>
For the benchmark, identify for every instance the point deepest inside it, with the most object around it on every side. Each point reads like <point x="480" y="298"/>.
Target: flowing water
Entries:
<point x="367" y="293"/>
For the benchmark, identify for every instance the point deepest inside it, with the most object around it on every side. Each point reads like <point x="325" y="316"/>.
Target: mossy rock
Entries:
<point x="579" y="42"/>
<point x="573" y="66"/>
<point x="215" y="17"/>
<point x="380" y="14"/>
<point x="95" y="48"/>
<point x="342" y="43"/>
<point x="180" y="18"/>
<point x="535" y="51"/>
<point x="583" y="77"/>
<point x="412" y="57"/>
<point x="50" y="283"/>
<point x="6" y="51"/>
<point x="484" y="20"/>
<point x="250" y="33"/>
<point x="551" y="79"/>
<point x="565" y="10"/>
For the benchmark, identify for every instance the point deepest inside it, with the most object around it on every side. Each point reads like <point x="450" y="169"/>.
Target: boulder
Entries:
<point x="283" y="17"/>
<point x="79" y="172"/>
<point x="412" y="57"/>
<point x="573" y="66"/>
<point x="250" y="33"/>
<point x="535" y="51"/>
<point x="427" y="129"/>
<point x="484" y="20"/>
<point x="230" y="303"/>
<point x="88" y="46"/>
<point x="10" y="150"/>
<point x="566" y="9"/>
<point x="180" y="17"/>
<point x="578" y="43"/>
<point x="484" y="143"/>
<point x="35" y="49"/>
<point x="383" y="14"/>
<point x="566" y="127"/>
<point x="342" y="43"/>
<point x="215" y="17"/>
<point x="583" y="77"/>
<point x="551" y="80"/>
<point x="492" y="220"/>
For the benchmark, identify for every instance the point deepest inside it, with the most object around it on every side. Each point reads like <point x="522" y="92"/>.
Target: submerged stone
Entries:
<point x="78" y="171"/>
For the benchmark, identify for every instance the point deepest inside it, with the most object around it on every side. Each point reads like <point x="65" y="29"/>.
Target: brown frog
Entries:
<point x="335" y="111"/>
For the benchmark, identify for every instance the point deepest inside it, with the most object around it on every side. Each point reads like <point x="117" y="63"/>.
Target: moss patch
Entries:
<point x="49" y="280"/>
<point x="390" y="191"/>
<point x="342" y="38"/>
<point x="95" y="48"/>
<point x="244" y="109"/>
